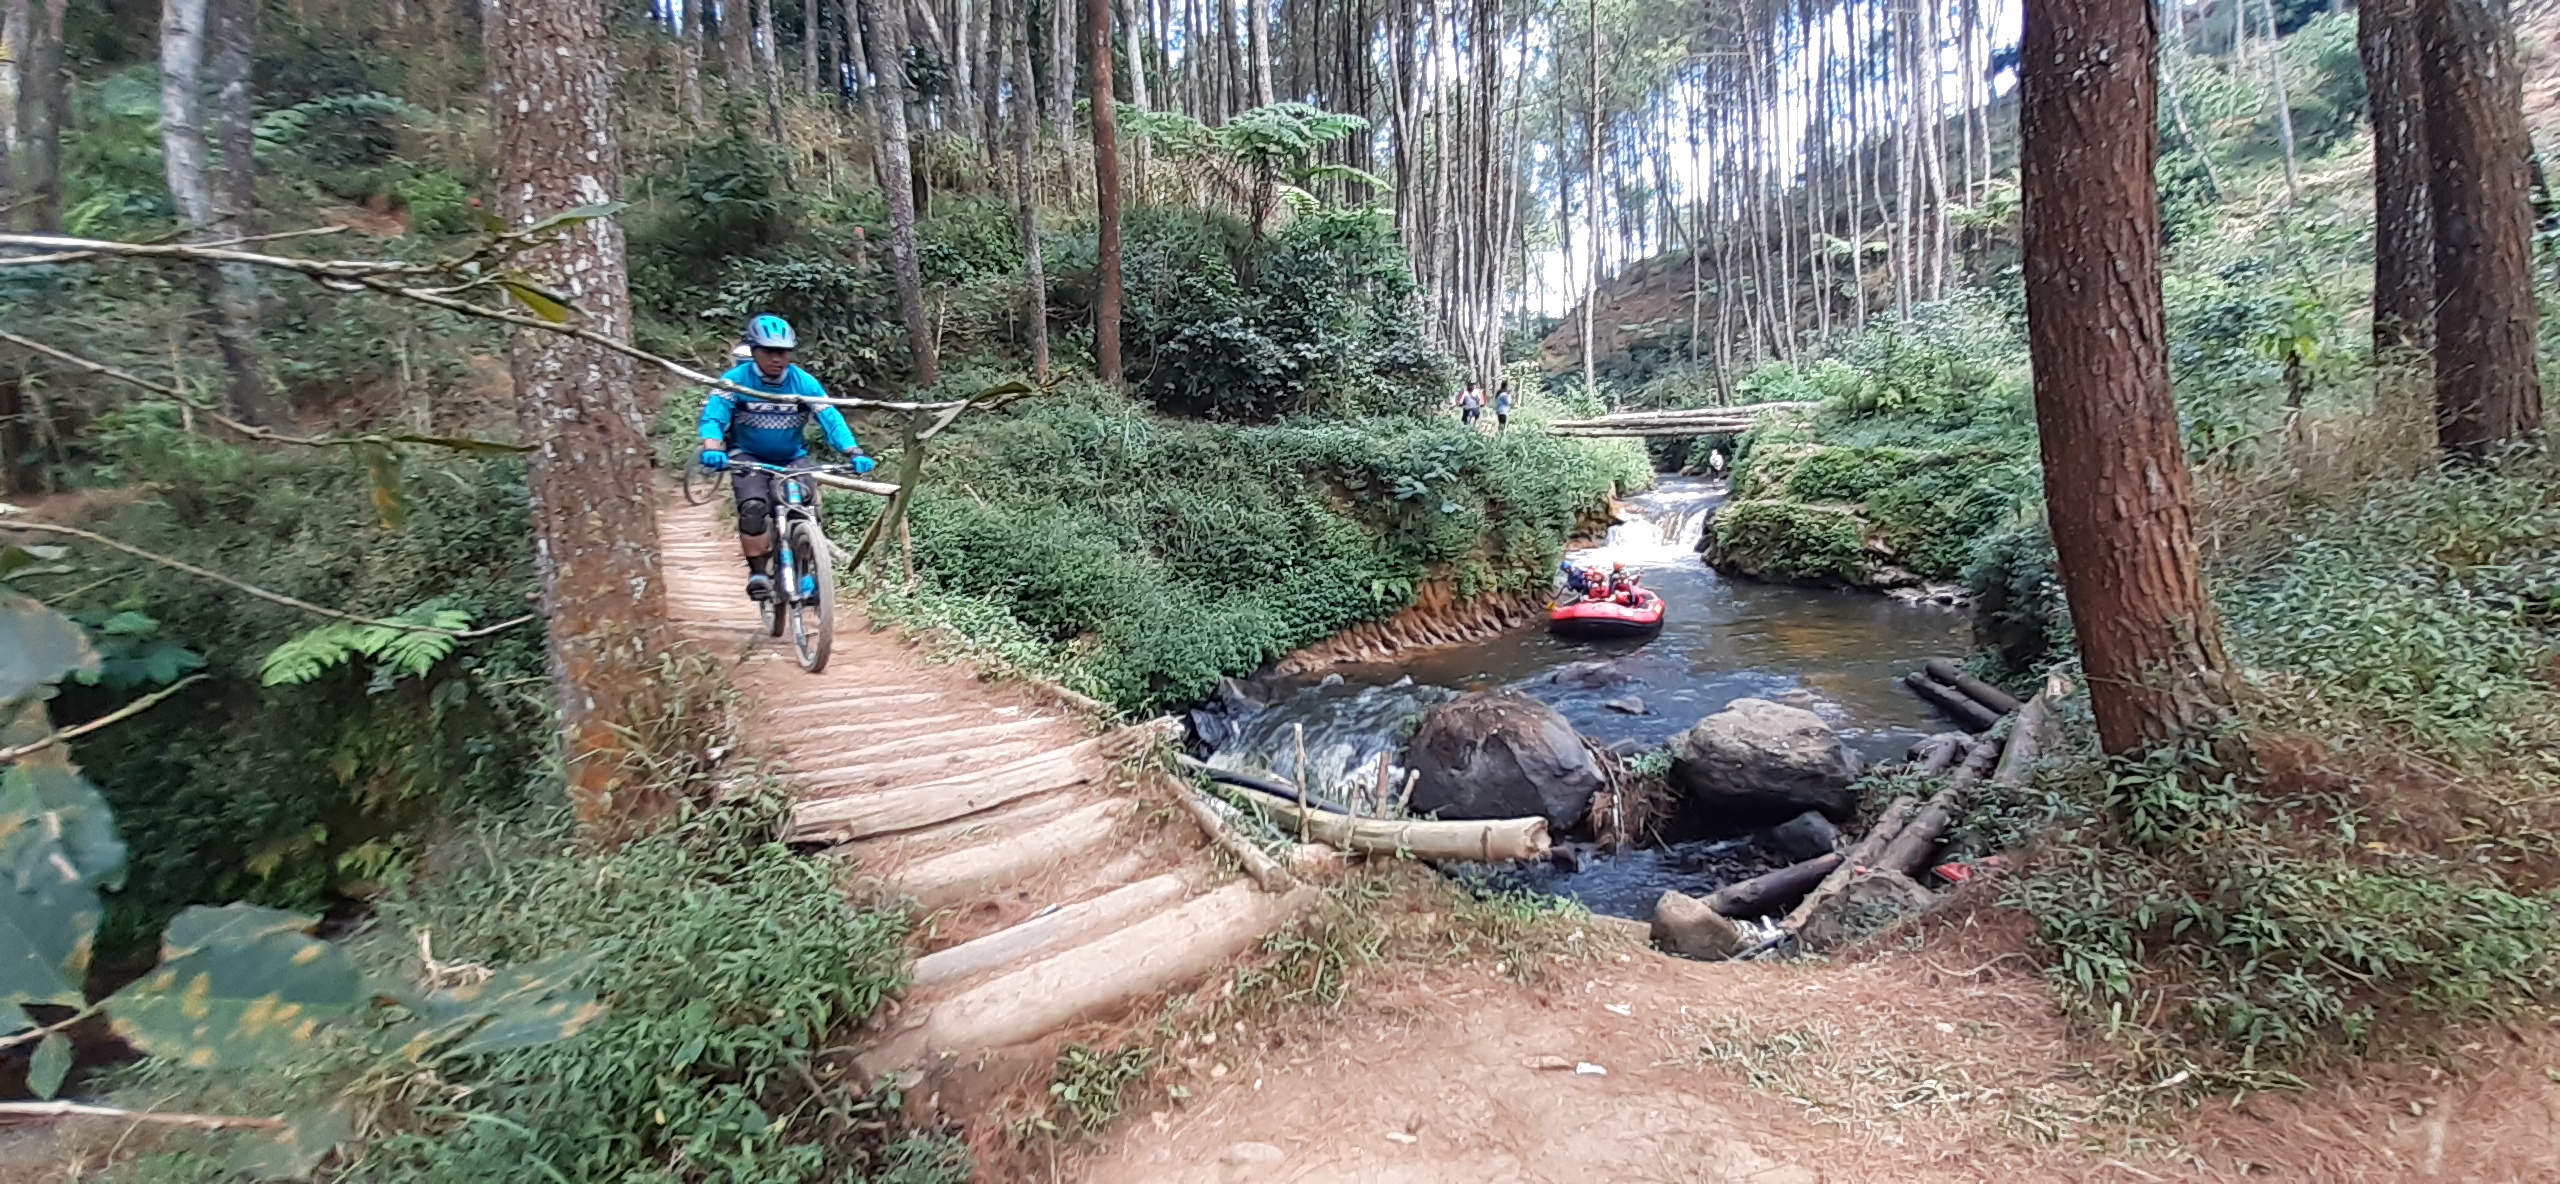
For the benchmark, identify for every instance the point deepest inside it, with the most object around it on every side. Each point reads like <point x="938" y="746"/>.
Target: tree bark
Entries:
<point x="1258" y="32"/>
<point x="13" y="57"/>
<point x="37" y="165"/>
<point x="771" y="72"/>
<point x="2116" y="480"/>
<point x="1591" y="212"/>
<point x="2404" y="271"/>
<point x="2487" y="390"/>
<point x="689" y="60"/>
<point x="230" y="292"/>
<point x="1035" y="283"/>
<point x="235" y="39"/>
<point x="808" y="46"/>
<point x="595" y="521"/>
<point x="888" y="69"/>
<point x="1106" y="193"/>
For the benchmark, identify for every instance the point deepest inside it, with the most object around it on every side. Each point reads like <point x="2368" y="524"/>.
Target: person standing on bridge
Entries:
<point x="769" y="431"/>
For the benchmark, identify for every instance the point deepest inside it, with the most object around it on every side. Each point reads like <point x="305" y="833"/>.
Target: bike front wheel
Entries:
<point x="813" y="616"/>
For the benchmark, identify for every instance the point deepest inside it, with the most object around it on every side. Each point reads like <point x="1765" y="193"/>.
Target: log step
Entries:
<point x="982" y="868"/>
<point x="1095" y="979"/>
<point x="1064" y="926"/>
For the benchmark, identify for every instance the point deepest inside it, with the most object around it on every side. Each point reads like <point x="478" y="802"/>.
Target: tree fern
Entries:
<point x="406" y="648"/>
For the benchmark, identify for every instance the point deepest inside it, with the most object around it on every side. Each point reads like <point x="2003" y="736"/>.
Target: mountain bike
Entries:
<point x="804" y="570"/>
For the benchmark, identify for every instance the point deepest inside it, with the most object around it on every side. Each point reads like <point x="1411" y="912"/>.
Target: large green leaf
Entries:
<point x="38" y="646"/>
<point x="47" y="790"/>
<point x="57" y="844"/>
<point x="237" y="986"/>
<point x="50" y="1065"/>
<point x="292" y="1152"/>
<point x="516" y="1008"/>
<point x="13" y="1019"/>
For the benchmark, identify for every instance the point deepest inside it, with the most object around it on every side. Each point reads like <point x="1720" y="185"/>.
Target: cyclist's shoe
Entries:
<point x="808" y="587"/>
<point x="759" y="587"/>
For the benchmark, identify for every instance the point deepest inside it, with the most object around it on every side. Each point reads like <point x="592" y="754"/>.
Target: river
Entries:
<point x="1839" y="654"/>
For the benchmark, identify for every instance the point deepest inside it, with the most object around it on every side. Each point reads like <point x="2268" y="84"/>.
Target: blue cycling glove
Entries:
<point x="864" y="464"/>
<point x="714" y="459"/>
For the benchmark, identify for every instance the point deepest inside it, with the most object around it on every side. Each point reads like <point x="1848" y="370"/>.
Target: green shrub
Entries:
<point x="436" y="204"/>
<point x="292" y="795"/>
<point x="732" y="965"/>
<point x="2189" y="911"/>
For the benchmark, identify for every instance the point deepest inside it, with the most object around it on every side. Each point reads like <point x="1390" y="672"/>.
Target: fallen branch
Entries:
<point x="10" y="756"/>
<point x="1257" y="864"/>
<point x="347" y="275"/>
<point x="1979" y="691"/>
<point x="47" y="1111"/>
<point x="1920" y="836"/>
<point x="10" y="524"/>
<point x="462" y="443"/>
<point x="1500" y="840"/>
<point x="1753" y="897"/>
<point x="1958" y="706"/>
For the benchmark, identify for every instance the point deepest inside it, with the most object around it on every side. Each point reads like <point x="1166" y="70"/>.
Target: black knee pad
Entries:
<point x="753" y="515"/>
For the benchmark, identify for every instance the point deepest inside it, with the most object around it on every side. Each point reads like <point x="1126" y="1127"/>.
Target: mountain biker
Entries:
<point x="768" y="431"/>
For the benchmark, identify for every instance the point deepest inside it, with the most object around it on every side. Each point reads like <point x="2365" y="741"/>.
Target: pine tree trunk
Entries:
<point x="594" y="513"/>
<point x="1106" y="193"/>
<point x="1591" y="207"/>
<point x="230" y="291"/>
<point x="1258" y="29"/>
<point x="1025" y="130"/>
<point x="13" y="57"/>
<point x="772" y="77"/>
<point x="235" y="36"/>
<point x="736" y="46"/>
<point x="808" y="46"/>
<point x="689" y="60"/>
<point x="37" y="166"/>
<point x="888" y="70"/>
<point x="2404" y="270"/>
<point x="2284" y="104"/>
<point x="2487" y="390"/>
<point x="2116" y="482"/>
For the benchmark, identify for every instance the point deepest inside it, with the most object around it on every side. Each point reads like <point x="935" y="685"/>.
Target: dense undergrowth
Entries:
<point x="1142" y="558"/>
<point x="734" y="968"/>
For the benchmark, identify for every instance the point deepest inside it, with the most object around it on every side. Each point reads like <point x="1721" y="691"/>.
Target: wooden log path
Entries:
<point x="1049" y="887"/>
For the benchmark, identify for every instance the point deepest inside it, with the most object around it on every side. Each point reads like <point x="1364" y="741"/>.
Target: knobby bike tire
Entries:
<point x="777" y="603"/>
<point x="813" y="619"/>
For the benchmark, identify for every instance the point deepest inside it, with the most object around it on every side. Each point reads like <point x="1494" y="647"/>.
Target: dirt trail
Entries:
<point x="1945" y="1063"/>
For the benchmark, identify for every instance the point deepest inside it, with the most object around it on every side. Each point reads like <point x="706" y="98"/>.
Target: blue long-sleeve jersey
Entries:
<point x="771" y="431"/>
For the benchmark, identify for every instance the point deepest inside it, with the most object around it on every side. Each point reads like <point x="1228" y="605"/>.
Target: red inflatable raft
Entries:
<point x="1606" y="618"/>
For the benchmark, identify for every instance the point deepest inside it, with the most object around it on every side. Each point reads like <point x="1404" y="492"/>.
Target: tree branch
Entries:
<point x="255" y="433"/>
<point x="9" y="756"/>
<point x="46" y="1111"/>
<point x="10" y="524"/>
<point x="377" y="276"/>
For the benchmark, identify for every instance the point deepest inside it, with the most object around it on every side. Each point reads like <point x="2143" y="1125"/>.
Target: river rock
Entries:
<point x="1628" y="705"/>
<point x="1502" y="755"/>
<point x="1685" y="926"/>
<point x="1592" y="675"/>
<point x="1756" y="761"/>
<point x="1806" y="836"/>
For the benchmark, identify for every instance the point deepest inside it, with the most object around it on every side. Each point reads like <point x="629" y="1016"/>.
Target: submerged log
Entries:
<point x="1979" y="691"/>
<point x="1959" y="706"/>
<point x="1763" y="893"/>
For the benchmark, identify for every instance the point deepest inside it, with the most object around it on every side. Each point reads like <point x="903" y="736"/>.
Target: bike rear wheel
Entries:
<point x="813" y="617"/>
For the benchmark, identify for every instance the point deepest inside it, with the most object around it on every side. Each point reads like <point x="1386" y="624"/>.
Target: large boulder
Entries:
<point x="1756" y="762"/>
<point x="1502" y="756"/>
